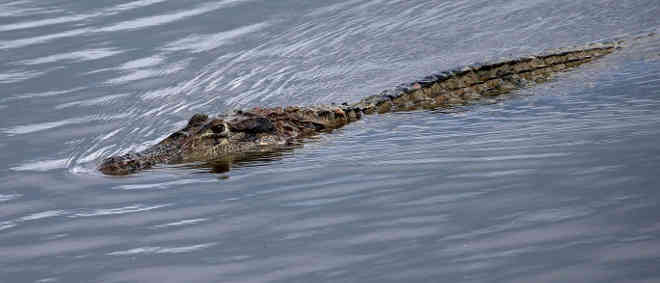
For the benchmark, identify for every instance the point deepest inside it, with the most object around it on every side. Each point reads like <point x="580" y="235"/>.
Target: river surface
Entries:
<point x="555" y="183"/>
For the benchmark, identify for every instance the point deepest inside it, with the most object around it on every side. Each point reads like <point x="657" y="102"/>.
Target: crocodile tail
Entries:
<point x="474" y="82"/>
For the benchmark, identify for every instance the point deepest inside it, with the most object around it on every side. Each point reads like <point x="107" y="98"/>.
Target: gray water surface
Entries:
<point x="556" y="183"/>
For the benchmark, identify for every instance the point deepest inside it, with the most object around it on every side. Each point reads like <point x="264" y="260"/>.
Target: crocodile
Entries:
<point x="207" y="138"/>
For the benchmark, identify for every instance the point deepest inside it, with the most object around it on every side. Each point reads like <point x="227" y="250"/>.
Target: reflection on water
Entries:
<point x="239" y="160"/>
<point x="552" y="183"/>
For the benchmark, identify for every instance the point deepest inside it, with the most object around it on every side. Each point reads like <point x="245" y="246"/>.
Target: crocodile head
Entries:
<point x="257" y="130"/>
<point x="202" y="139"/>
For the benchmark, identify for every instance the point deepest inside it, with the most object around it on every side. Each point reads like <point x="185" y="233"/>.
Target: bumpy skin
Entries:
<point x="266" y="129"/>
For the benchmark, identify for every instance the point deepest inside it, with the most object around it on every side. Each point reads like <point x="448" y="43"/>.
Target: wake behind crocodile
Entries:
<point x="206" y="138"/>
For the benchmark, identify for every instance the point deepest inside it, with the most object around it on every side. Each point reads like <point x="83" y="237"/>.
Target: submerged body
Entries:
<point x="264" y="129"/>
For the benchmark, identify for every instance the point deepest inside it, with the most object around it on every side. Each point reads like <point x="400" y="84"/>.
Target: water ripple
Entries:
<point x="152" y="61"/>
<point x="69" y="18"/>
<point x="182" y="223"/>
<point x="42" y="215"/>
<point x="168" y="18"/>
<point x="8" y="197"/>
<point x="76" y="56"/>
<point x="44" y="22"/>
<point x="160" y="186"/>
<point x="207" y="42"/>
<point x="145" y="73"/>
<point x="43" y="165"/>
<point x="24" y="8"/>
<point x="94" y="101"/>
<point x="119" y="210"/>
<point x="26" y="129"/>
<point x="162" y="250"/>
<point x="132" y="5"/>
<point x="57" y="247"/>
<point x="19" y="76"/>
<point x="24" y="42"/>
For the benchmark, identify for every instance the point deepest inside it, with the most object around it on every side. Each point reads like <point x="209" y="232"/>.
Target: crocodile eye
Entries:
<point x="218" y="128"/>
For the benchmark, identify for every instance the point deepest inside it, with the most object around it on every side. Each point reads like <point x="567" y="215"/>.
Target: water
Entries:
<point x="557" y="183"/>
